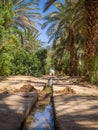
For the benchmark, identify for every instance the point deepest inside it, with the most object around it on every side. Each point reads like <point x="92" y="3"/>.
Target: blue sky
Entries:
<point x="43" y="36"/>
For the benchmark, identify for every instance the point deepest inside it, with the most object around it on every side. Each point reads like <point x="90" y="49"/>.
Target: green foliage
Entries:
<point x="6" y="13"/>
<point x="26" y="13"/>
<point x="71" y="23"/>
<point x="19" y="62"/>
<point x="25" y="63"/>
<point x="5" y="64"/>
<point x="42" y="55"/>
<point x="81" y="67"/>
<point x="6" y="54"/>
<point x="8" y="33"/>
<point x="48" y="64"/>
<point x="19" y="43"/>
<point x="92" y="69"/>
<point x="16" y="59"/>
<point x="62" y="65"/>
<point x="66" y="63"/>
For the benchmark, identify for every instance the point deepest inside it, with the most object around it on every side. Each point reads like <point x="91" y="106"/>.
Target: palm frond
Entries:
<point x="48" y="4"/>
<point x="25" y="11"/>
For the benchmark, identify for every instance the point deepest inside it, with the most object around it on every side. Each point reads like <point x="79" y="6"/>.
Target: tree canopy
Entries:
<point x="72" y="28"/>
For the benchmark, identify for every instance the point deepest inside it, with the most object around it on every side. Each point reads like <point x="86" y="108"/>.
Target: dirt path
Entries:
<point x="76" y="105"/>
<point x="16" y="82"/>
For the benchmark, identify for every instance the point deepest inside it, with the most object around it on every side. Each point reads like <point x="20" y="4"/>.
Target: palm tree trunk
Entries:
<point x="73" y="54"/>
<point x="91" y="41"/>
<point x="22" y="41"/>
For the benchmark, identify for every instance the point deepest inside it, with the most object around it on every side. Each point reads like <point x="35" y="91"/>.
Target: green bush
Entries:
<point x="5" y="64"/>
<point x="92" y="69"/>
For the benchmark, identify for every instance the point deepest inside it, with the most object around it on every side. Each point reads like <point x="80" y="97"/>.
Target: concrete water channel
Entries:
<point x="75" y="105"/>
<point x="42" y="115"/>
<point x="41" y="118"/>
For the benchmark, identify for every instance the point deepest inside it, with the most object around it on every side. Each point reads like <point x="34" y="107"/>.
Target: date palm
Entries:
<point x="63" y="28"/>
<point x="19" y="15"/>
<point x="26" y="13"/>
<point x="91" y="43"/>
<point x="91" y="39"/>
<point x="26" y="16"/>
<point x="87" y="10"/>
<point x="90" y="34"/>
<point x="31" y="41"/>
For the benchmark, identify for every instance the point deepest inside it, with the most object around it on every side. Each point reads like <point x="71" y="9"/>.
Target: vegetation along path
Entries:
<point x="71" y="29"/>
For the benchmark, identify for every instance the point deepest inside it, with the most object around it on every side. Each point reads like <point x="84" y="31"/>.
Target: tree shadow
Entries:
<point x="75" y="112"/>
<point x="13" y="110"/>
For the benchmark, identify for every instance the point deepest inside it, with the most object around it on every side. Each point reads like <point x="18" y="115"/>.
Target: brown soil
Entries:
<point x="3" y="92"/>
<point x="67" y="90"/>
<point x="76" y="104"/>
<point x="44" y="96"/>
<point x="26" y="88"/>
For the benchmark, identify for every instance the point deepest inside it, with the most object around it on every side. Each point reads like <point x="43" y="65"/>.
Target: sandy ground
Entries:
<point x="17" y="96"/>
<point x="76" y="105"/>
<point x="16" y="82"/>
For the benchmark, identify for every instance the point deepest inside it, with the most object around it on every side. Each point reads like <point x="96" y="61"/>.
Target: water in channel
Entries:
<point x="41" y="118"/>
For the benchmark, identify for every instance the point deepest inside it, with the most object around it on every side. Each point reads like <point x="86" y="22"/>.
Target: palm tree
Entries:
<point x="48" y="4"/>
<point x="90" y="33"/>
<point x="19" y="16"/>
<point x="24" y="13"/>
<point x="63" y="28"/>
<point x="26" y="16"/>
<point x="91" y="39"/>
<point x="87" y="10"/>
<point x="31" y="41"/>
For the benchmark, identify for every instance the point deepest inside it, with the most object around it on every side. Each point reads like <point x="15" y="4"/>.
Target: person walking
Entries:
<point x="52" y="72"/>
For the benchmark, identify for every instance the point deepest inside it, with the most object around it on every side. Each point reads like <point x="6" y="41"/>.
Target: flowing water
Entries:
<point x="41" y="118"/>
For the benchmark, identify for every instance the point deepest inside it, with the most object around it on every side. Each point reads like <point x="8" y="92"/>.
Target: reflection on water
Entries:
<point x="41" y="118"/>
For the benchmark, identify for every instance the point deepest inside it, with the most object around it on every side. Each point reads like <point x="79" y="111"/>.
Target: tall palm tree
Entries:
<point x="91" y="39"/>
<point x="87" y="10"/>
<point x="26" y="16"/>
<point x="63" y="27"/>
<point x="24" y="13"/>
<point x="90" y="34"/>
<point x="18" y="16"/>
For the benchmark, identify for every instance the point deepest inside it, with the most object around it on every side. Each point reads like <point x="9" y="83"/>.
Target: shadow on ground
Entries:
<point x="75" y="112"/>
